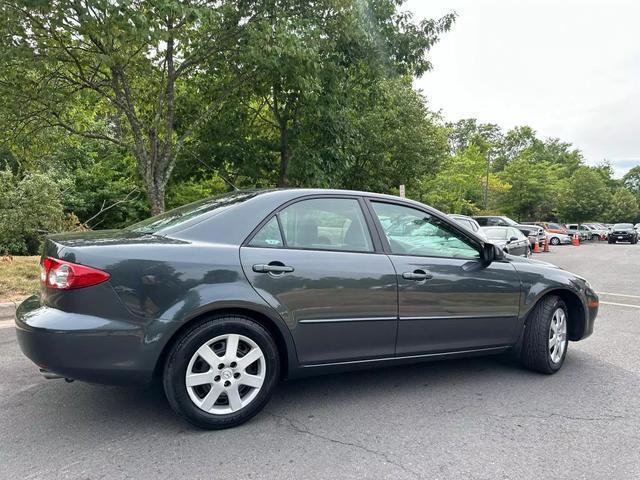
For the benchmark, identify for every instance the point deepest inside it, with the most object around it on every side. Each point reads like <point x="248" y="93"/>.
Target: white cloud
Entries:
<point x="569" y="69"/>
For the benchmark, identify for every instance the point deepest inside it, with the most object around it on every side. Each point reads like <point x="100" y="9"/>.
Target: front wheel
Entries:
<point x="554" y="241"/>
<point x="545" y="339"/>
<point x="222" y="372"/>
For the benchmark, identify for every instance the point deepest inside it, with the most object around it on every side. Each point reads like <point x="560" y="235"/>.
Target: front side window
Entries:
<point x="413" y="232"/>
<point x="326" y="224"/>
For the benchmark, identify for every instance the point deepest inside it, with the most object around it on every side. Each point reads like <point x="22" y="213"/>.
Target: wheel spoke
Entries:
<point x="235" y="402"/>
<point x="251" y="380"/>
<point x="212" y="396"/>
<point x="195" y="379"/>
<point x="249" y="358"/>
<point x="231" y="352"/>
<point x="208" y="356"/>
<point x="552" y="342"/>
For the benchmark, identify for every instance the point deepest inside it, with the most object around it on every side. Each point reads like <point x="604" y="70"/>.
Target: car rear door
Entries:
<point x="448" y="300"/>
<point x="316" y="262"/>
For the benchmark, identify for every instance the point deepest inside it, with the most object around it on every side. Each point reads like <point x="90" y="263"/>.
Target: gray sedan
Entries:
<point x="510" y="239"/>
<point x="220" y="299"/>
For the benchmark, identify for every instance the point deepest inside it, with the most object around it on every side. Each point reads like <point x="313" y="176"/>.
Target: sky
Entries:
<point x="570" y="69"/>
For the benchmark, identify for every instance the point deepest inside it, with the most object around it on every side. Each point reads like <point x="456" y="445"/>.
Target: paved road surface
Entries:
<point x="468" y="419"/>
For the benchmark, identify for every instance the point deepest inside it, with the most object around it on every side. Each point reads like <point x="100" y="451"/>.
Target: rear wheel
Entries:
<point x="222" y="372"/>
<point x="545" y="339"/>
<point x="554" y="241"/>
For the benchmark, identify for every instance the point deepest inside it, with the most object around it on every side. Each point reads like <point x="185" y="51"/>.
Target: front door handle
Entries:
<point x="418" y="275"/>
<point x="273" y="267"/>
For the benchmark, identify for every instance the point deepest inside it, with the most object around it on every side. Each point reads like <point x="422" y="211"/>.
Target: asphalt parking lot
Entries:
<point x="470" y="419"/>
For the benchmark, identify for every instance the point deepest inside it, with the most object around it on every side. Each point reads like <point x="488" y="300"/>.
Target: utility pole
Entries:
<point x="486" y="184"/>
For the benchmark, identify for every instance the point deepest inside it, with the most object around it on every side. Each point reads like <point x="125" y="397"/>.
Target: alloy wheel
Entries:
<point x="225" y="374"/>
<point x="558" y="335"/>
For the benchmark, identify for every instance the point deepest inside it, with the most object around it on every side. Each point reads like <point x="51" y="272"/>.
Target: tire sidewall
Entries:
<point x="181" y="354"/>
<point x="553" y="365"/>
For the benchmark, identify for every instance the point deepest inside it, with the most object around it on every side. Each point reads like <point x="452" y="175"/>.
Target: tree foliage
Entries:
<point x="583" y="196"/>
<point x="114" y="109"/>
<point x="623" y="207"/>
<point x="29" y="207"/>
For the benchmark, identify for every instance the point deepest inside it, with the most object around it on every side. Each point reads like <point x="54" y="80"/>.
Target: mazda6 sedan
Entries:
<point x="222" y="298"/>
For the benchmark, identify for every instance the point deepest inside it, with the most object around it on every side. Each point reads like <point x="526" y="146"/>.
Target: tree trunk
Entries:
<point x="155" y="195"/>
<point x="285" y="157"/>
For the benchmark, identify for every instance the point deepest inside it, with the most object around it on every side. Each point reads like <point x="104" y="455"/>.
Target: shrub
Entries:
<point x="30" y="207"/>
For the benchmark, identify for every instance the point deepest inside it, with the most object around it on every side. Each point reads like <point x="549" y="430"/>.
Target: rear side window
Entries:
<point x="177" y="216"/>
<point x="268" y="236"/>
<point x="326" y="224"/>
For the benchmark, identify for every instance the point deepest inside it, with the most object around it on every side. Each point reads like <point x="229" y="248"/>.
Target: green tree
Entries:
<point x="583" y="196"/>
<point x="459" y="186"/>
<point x="532" y="189"/>
<point x="623" y="207"/>
<point x="631" y="181"/>
<point x="309" y="58"/>
<point x="135" y="64"/>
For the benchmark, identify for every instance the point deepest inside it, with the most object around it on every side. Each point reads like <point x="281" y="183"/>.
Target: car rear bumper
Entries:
<point x="83" y="347"/>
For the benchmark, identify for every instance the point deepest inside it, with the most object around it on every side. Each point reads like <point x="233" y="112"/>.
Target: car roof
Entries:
<point x="261" y="204"/>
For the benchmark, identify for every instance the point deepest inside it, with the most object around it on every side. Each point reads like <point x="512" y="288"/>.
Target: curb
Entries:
<point x="7" y="310"/>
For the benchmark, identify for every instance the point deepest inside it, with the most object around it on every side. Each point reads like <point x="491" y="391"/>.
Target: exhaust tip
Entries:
<point x="50" y="375"/>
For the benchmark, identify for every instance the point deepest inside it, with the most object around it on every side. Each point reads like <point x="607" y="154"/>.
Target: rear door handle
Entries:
<point x="273" y="267"/>
<point x="417" y="275"/>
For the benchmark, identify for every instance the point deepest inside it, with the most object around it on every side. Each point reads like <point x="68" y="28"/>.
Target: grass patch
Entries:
<point x="19" y="278"/>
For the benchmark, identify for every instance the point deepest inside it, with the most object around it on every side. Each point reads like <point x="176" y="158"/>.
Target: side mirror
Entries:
<point x="513" y="239"/>
<point x="490" y="253"/>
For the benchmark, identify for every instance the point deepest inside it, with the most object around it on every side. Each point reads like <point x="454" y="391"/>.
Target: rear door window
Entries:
<point x="326" y="224"/>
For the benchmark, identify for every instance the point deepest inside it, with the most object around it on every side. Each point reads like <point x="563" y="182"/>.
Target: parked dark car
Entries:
<point x="221" y="298"/>
<point x="623" y="232"/>
<point x="510" y="239"/>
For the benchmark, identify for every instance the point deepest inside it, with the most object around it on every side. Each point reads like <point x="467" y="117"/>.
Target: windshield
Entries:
<point x="622" y="226"/>
<point x="179" y="215"/>
<point x="496" y="233"/>
<point x="508" y="221"/>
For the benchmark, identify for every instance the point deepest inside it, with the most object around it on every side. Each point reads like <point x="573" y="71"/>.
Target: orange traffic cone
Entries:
<point x="575" y="241"/>
<point x="546" y="244"/>
<point x="536" y="246"/>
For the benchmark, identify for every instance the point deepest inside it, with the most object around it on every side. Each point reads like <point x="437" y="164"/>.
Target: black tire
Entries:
<point x="610" y="242"/>
<point x="535" y="353"/>
<point x="554" y="241"/>
<point x="185" y="347"/>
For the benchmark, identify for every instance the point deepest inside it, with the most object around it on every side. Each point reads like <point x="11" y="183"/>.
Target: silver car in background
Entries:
<point x="469" y="223"/>
<point x="558" y="238"/>
<point x="510" y="239"/>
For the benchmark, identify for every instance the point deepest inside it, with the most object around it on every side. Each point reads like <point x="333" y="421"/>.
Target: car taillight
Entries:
<point x="63" y="275"/>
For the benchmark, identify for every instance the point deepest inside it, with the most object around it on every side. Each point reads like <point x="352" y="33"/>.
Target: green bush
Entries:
<point x="30" y="207"/>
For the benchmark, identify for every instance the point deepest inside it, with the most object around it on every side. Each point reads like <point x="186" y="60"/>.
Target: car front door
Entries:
<point x="316" y="263"/>
<point x="520" y="245"/>
<point x="448" y="299"/>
